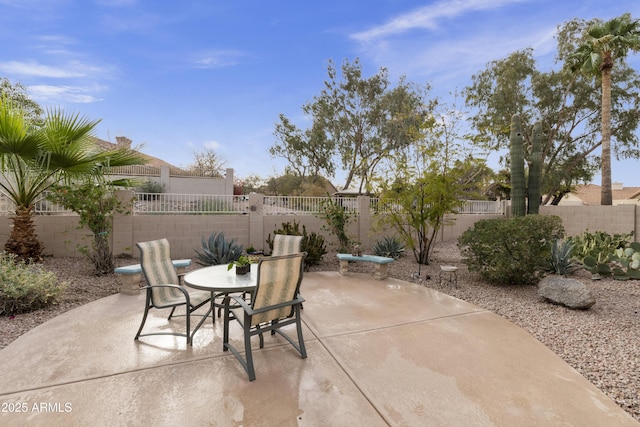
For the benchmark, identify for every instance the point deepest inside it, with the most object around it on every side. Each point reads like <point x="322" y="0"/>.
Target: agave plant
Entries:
<point x="389" y="247"/>
<point x="562" y="261"/>
<point x="218" y="250"/>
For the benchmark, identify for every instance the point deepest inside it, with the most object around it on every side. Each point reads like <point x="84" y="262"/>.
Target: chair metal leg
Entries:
<point x="144" y="319"/>
<point x="189" y="339"/>
<point x="225" y="328"/>
<point x="248" y="354"/>
<point x="261" y="336"/>
<point x="303" y="349"/>
<point x="171" y="314"/>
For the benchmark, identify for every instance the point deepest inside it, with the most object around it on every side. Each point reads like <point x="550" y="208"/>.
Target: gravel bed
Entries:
<point x="602" y="343"/>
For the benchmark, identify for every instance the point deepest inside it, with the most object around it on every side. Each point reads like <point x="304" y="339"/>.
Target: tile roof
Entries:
<point x="590" y="193"/>
<point x="123" y="141"/>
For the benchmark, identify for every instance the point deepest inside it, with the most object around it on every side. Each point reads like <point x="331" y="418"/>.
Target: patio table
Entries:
<point x="221" y="282"/>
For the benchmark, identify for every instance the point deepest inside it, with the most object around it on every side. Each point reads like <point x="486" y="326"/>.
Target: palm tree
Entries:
<point x="605" y="43"/>
<point x="34" y="158"/>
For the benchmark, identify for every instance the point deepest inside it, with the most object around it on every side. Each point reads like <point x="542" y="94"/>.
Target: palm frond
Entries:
<point x="15" y="135"/>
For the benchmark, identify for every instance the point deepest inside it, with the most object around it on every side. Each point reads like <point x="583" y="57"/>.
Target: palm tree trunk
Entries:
<point x="606" y="196"/>
<point x="23" y="241"/>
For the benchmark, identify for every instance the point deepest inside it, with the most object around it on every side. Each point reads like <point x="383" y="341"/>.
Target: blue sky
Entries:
<point x="182" y="76"/>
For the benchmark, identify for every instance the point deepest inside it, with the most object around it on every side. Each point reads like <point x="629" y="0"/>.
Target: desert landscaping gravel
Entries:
<point x="602" y="343"/>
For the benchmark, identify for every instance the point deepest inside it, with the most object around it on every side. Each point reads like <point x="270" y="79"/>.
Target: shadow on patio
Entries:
<point x="379" y="353"/>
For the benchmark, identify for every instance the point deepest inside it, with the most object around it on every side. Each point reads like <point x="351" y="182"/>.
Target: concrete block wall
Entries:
<point x="455" y="225"/>
<point x="185" y="232"/>
<point x="612" y="219"/>
<point x="62" y="237"/>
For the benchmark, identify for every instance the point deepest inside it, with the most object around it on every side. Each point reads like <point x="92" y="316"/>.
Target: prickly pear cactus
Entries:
<point x="622" y="264"/>
<point x="518" y="202"/>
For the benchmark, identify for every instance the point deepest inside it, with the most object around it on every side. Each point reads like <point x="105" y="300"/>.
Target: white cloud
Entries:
<point x="72" y="94"/>
<point x="212" y="145"/>
<point x="428" y="17"/>
<point x="72" y="69"/>
<point x="36" y="69"/>
<point x="217" y="59"/>
<point x="450" y="63"/>
<point x="449" y="58"/>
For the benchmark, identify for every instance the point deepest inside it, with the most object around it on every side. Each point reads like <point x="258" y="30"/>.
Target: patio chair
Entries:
<point x="275" y="303"/>
<point x="164" y="287"/>
<point x="285" y="245"/>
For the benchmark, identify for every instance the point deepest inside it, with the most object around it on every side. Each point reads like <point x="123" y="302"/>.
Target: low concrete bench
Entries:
<point x="381" y="263"/>
<point x="129" y="275"/>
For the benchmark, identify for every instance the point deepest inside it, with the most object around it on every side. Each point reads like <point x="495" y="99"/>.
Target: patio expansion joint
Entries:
<point x="345" y="372"/>
<point x="114" y="374"/>
<point x="413" y="322"/>
<point x="351" y="378"/>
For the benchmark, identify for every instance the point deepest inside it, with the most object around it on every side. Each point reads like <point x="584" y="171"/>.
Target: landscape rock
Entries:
<point x="566" y="291"/>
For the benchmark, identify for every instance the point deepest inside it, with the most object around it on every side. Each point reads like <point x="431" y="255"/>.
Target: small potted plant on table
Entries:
<point x="242" y="264"/>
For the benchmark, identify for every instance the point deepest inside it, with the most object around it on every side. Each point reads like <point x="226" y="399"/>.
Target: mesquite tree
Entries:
<point x="356" y="123"/>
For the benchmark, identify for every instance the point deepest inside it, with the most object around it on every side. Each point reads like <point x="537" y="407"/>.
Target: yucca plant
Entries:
<point x="218" y="250"/>
<point x="562" y="261"/>
<point x="389" y="247"/>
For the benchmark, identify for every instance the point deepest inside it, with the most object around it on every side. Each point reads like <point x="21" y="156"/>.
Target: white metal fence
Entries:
<point x="469" y="207"/>
<point x="205" y="204"/>
<point x="201" y="204"/>
<point x="300" y="205"/>
<point x="482" y="207"/>
<point x="42" y="206"/>
<point x="134" y="170"/>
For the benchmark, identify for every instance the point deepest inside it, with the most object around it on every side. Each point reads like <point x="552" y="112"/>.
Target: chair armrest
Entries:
<point x="241" y="302"/>
<point x="168" y="285"/>
<point x="181" y="288"/>
<point x="250" y="311"/>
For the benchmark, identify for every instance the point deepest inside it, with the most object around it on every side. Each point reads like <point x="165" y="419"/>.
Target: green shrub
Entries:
<point x="151" y="187"/>
<point x="218" y="250"/>
<point x="337" y="219"/>
<point x="313" y="244"/>
<point x="389" y="247"/>
<point x="511" y="251"/>
<point x="96" y="204"/>
<point x="26" y="287"/>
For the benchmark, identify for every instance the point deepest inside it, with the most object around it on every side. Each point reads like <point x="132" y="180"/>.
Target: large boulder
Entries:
<point x="565" y="291"/>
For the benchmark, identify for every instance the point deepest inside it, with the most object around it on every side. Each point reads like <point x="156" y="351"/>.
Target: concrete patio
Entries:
<point x="380" y="353"/>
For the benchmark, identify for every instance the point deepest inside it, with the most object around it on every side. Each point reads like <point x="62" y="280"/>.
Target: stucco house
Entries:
<point x="172" y="178"/>
<point x="589" y="195"/>
<point x="124" y="142"/>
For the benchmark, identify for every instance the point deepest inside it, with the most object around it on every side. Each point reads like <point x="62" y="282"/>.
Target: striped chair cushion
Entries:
<point x="278" y="281"/>
<point x="286" y="245"/>
<point x="155" y="259"/>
